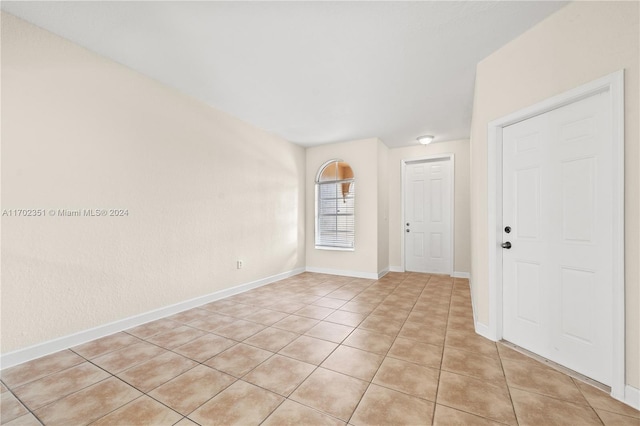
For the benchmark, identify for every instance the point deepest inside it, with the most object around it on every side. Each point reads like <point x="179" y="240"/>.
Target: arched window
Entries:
<point x="335" y="206"/>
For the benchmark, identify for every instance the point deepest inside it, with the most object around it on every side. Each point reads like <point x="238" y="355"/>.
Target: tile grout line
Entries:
<point x="435" y="404"/>
<point x="389" y="349"/>
<point x="128" y="384"/>
<point x="338" y="344"/>
<point x="319" y="365"/>
<point x="573" y="379"/>
<point x="198" y="362"/>
<point x="456" y="300"/>
<point x="32" y="411"/>
<point x="287" y="398"/>
<point x="29" y="410"/>
<point x="476" y="378"/>
<point x="378" y="369"/>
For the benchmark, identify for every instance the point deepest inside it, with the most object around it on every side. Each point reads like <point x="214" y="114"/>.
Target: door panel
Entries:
<point x="436" y="245"/>
<point x="557" y="276"/>
<point x="527" y="215"/>
<point x="527" y="286"/>
<point x="435" y="200"/>
<point x="577" y="304"/>
<point x="418" y="199"/>
<point x="418" y="244"/>
<point x="578" y="185"/>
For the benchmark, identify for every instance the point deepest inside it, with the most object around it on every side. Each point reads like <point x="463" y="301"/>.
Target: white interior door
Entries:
<point x="428" y="227"/>
<point x="557" y="275"/>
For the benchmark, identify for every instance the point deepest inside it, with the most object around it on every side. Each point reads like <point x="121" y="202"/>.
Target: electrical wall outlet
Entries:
<point x="239" y="264"/>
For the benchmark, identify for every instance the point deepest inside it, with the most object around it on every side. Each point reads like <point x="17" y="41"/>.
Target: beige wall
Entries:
<point x="580" y="43"/>
<point x="202" y="189"/>
<point x="363" y="156"/>
<point x="462" y="247"/>
<point x="383" y="207"/>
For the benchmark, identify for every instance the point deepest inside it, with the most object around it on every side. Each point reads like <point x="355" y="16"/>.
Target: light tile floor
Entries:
<point x="311" y="349"/>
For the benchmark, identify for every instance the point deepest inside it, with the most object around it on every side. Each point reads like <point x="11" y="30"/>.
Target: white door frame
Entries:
<point x="403" y="169"/>
<point x="614" y="83"/>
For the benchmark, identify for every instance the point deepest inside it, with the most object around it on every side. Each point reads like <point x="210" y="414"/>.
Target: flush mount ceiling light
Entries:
<point x="425" y="140"/>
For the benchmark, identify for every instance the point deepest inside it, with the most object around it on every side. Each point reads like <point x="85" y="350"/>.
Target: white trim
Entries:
<point x="436" y="157"/>
<point x="335" y="248"/>
<point x="483" y="330"/>
<point x="466" y="275"/>
<point x="36" y="351"/>
<point x="632" y="396"/>
<point x="354" y="274"/>
<point x="317" y="195"/>
<point x="383" y="272"/>
<point x="455" y="274"/>
<point x="480" y="328"/>
<point x="614" y="83"/>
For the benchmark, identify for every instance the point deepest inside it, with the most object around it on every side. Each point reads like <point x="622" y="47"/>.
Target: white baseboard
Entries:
<point x="354" y="274"/>
<point x="632" y="396"/>
<point x="466" y="275"/>
<point x="454" y="275"/>
<point x="484" y="331"/>
<point x="36" y="351"/>
<point x="383" y="273"/>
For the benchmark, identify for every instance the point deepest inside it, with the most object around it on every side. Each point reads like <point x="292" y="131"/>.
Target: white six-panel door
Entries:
<point x="428" y="217"/>
<point x="557" y="289"/>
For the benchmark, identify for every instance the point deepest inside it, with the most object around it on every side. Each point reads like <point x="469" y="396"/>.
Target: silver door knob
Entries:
<point x="408" y="230"/>
<point x="506" y="245"/>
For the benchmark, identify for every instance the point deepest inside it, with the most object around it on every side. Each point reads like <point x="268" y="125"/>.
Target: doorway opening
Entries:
<point x="428" y="214"/>
<point x="612" y="87"/>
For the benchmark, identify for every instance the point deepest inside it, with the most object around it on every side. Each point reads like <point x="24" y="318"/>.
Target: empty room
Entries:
<point x="320" y="213"/>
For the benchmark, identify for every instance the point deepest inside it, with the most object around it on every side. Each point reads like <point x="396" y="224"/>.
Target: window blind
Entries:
<point x="335" y="214"/>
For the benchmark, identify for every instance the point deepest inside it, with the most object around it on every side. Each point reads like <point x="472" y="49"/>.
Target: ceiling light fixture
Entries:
<point x="425" y="140"/>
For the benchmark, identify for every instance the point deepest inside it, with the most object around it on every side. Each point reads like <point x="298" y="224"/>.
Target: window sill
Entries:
<point x="335" y="248"/>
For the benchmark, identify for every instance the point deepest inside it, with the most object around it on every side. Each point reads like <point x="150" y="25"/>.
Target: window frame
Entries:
<point x="318" y="244"/>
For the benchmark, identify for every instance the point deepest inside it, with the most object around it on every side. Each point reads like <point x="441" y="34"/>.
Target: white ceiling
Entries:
<point x="310" y="72"/>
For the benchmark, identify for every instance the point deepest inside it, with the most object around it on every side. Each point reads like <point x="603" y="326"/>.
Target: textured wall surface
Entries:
<point x="383" y="207"/>
<point x="202" y="189"/>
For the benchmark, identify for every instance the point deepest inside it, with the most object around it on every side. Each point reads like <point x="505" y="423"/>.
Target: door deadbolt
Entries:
<point x="507" y="229"/>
